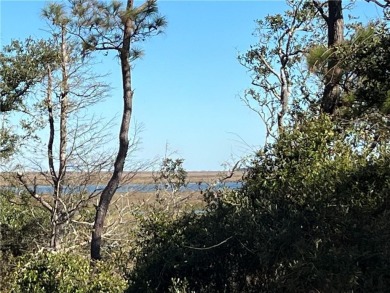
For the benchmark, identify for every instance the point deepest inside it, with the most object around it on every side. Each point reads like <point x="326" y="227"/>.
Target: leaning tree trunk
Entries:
<point x="335" y="24"/>
<point x="113" y="183"/>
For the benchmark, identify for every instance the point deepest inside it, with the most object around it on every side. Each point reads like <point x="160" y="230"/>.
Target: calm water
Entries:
<point x="43" y="189"/>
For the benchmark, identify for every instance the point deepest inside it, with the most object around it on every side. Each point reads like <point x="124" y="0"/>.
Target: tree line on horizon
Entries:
<point x="313" y="210"/>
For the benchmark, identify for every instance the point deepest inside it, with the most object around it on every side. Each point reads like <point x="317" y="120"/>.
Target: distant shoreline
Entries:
<point x="139" y="178"/>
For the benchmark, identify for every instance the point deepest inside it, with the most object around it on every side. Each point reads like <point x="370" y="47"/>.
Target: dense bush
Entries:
<point x="64" y="272"/>
<point x="23" y="229"/>
<point x="179" y="249"/>
<point x="23" y="226"/>
<point x="313" y="214"/>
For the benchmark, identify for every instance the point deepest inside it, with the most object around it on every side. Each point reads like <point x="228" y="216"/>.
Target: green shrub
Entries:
<point x="312" y="215"/>
<point x="24" y="227"/>
<point x="64" y="272"/>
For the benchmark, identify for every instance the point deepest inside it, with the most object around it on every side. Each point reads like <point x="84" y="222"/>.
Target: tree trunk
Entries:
<point x="63" y="105"/>
<point x="58" y="178"/>
<point x="110" y="189"/>
<point x="284" y="94"/>
<point x="335" y="25"/>
<point x="49" y="107"/>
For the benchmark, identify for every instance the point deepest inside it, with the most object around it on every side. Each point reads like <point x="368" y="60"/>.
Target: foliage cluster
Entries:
<point x="366" y="60"/>
<point x="312" y="215"/>
<point x="22" y="64"/>
<point x="64" y="272"/>
<point x="23" y="227"/>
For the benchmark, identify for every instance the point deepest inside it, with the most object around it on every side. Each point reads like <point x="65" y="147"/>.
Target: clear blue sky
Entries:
<point x="188" y="84"/>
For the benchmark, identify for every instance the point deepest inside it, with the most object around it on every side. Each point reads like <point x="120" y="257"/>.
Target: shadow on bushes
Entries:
<point x="319" y="223"/>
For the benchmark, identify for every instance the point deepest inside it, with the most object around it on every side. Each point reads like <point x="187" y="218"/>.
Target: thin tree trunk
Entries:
<point x="64" y="105"/>
<point x="54" y="231"/>
<point x="113" y="183"/>
<point x="59" y="176"/>
<point x="49" y="107"/>
<point x="284" y="96"/>
<point x="335" y="25"/>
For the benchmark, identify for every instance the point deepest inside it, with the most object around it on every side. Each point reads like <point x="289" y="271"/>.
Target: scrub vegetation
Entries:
<point x="311" y="212"/>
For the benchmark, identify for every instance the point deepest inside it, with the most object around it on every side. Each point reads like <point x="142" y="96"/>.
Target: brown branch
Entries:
<point x="209" y="247"/>
<point x="33" y="193"/>
<point x="321" y="10"/>
<point x="231" y="172"/>
<point x="383" y="5"/>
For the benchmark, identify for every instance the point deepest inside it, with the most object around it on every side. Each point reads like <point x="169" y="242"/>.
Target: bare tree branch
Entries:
<point x="320" y="9"/>
<point x="33" y="193"/>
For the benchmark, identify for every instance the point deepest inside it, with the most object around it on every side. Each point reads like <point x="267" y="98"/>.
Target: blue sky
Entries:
<point x="187" y="85"/>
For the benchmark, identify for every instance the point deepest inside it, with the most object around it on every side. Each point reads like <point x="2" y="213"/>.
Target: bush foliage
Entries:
<point x="312" y="215"/>
<point x="64" y="272"/>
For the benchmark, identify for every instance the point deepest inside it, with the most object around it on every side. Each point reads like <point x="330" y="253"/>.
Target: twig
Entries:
<point x="210" y="247"/>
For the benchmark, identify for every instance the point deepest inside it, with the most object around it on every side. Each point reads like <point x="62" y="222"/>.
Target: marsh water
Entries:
<point x="46" y="189"/>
